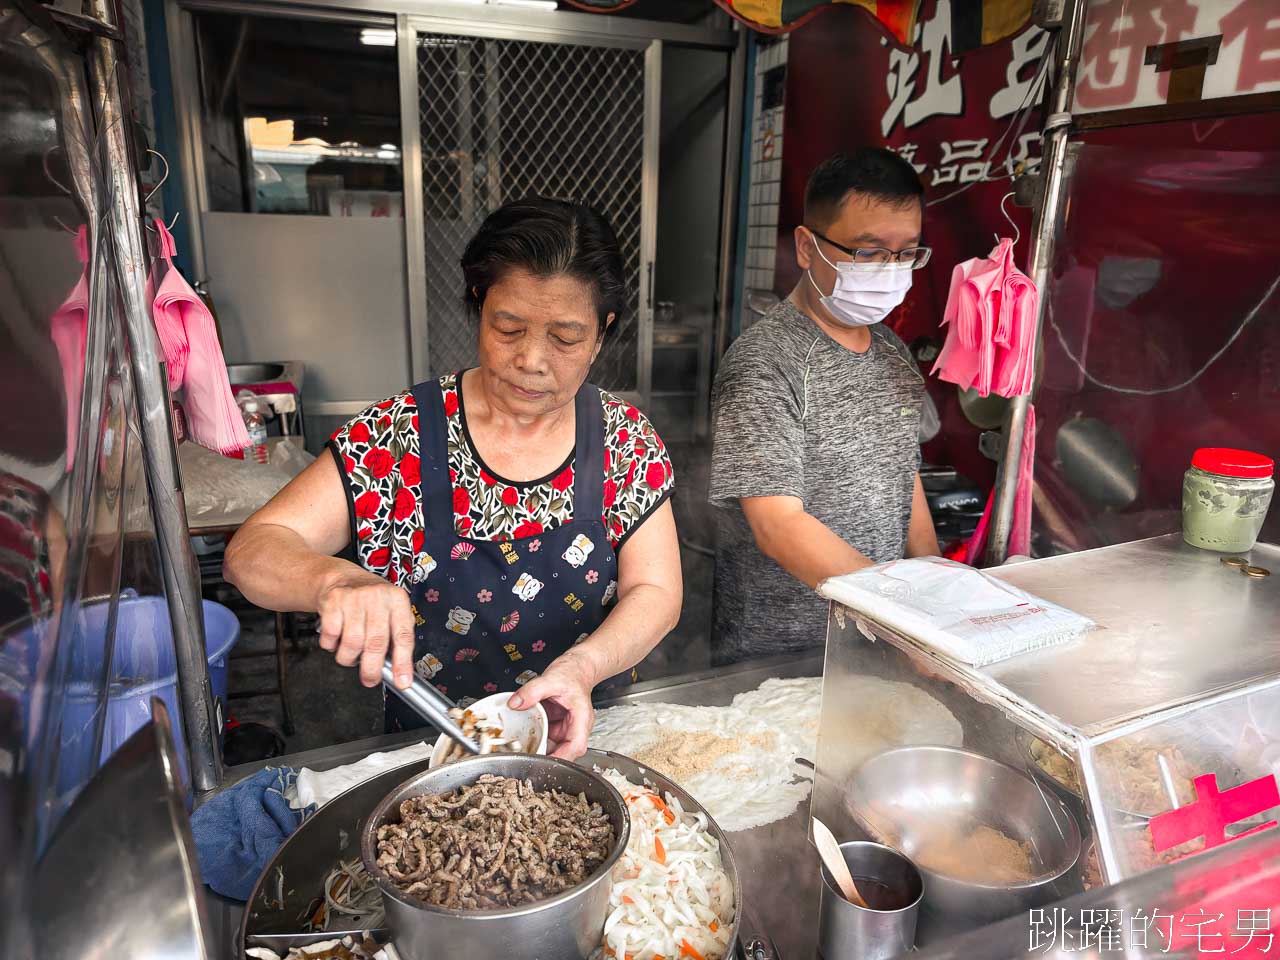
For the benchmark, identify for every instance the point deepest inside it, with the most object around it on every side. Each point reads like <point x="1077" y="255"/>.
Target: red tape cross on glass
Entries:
<point x="1213" y="811"/>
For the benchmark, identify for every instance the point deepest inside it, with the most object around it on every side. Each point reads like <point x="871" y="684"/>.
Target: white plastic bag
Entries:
<point x="960" y="611"/>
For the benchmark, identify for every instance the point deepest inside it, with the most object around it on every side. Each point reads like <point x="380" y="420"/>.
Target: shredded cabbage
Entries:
<point x="671" y="897"/>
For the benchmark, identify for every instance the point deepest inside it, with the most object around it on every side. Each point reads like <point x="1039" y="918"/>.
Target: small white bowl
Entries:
<point x="529" y="726"/>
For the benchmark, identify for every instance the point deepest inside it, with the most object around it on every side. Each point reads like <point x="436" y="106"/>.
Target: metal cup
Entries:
<point x="849" y="932"/>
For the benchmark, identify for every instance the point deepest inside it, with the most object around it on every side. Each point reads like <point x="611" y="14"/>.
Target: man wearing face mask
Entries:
<point x="815" y="467"/>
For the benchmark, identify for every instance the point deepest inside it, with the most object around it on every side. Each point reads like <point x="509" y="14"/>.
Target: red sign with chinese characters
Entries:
<point x="1193" y="203"/>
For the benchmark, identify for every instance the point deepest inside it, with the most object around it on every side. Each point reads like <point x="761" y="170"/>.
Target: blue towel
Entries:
<point x="239" y="830"/>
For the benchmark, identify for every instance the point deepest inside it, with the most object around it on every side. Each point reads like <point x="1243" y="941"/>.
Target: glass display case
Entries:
<point x="1226" y="903"/>
<point x="1030" y="779"/>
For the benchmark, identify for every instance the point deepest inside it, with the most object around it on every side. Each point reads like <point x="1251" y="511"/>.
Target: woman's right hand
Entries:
<point x="361" y="616"/>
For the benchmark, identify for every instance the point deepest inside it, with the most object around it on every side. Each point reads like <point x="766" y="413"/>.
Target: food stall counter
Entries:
<point x="777" y="865"/>
<point x="1052" y="765"/>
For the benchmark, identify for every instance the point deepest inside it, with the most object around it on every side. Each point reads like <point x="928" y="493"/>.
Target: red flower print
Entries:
<point x="606" y="459"/>
<point x="359" y="433"/>
<point x="461" y="501"/>
<point x="418" y="537"/>
<point x="409" y="401"/>
<point x="623" y="436"/>
<point x="393" y="575"/>
<point x="407" y="563"/>
<point x="385" y="421"/>
<point x="368" y="504"/>
<point x="633" y="414"/>
<point x="490" y="687"/>
<point x="364" y="533"/>
<point x="610" y="493"/>
<point x="411" y="468"/>
<point x="510" y="496"/>
<point x="453" y="475"/>
<point x="380" y="557"/>
<point x="631" y="475"/>
<point x="486" y="479"/>
<point x="405" y="504"/>
<point x="463" y="525"/>
<point x="386" y="404"/>
<point x="655" y="476"/>
<point x="529" y="528"/>
<point x="334" y="435"/>
<point x="617" y="528"/>
<point x="348" y="464"/>
<point x="563" y="480"/>
<point x="538" y="646"/>
<point x="450" y="403"/>
<point x="380" y="462"/>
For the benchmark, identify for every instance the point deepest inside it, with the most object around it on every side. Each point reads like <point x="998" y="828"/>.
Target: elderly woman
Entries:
<point x="510" y="521"/>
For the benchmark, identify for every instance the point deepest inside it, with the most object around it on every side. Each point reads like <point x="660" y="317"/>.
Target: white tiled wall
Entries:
<point x="765" y="175"/>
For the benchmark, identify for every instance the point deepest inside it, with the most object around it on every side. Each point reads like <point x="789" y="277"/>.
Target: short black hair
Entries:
<point x="873" y="172"/>
<point x="548" y="238"/>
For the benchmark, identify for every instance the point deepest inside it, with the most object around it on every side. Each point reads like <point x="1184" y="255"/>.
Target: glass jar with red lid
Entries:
<point x="1225" y="496"/>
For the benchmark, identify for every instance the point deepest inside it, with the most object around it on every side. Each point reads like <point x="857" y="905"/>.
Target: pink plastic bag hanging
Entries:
<point x="69" y="331"/>
<point x="990" y="319"/>
<point x="194" y="357"/>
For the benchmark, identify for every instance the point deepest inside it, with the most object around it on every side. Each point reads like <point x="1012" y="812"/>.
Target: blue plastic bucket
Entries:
<point x="143" y="666"/>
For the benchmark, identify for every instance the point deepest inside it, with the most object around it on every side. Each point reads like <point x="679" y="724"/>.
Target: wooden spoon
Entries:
<point x="829" y="850"/>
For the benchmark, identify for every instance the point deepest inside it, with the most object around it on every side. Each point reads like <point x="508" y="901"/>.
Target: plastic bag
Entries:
<point x="959" y="611"/>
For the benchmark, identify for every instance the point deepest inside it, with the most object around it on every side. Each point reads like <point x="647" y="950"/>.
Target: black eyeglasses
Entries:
<point x="917" y="257"/>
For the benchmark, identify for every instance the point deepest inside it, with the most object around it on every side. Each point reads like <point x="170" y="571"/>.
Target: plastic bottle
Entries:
<point x="251" y="408"/>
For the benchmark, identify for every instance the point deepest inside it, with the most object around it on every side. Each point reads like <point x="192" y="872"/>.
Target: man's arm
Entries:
<point x="798" y="542"/>
<point x="922" y="540"/>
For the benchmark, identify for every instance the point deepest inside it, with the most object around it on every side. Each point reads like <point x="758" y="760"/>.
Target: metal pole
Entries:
<point x="649" y="217"/>
<point x="729" y="205"/>
<point x="415" y="224"/>
<point x="1053" y="166"/>
<point x="160" y="453"/>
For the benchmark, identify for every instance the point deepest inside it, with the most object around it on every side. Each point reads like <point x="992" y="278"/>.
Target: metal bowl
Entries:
<point x="909" y="796"/>
<point x="568" y="925"/>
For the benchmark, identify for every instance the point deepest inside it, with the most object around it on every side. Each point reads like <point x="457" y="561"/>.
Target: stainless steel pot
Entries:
<point x="910" y="796"/>
<point x="566" y="926"/>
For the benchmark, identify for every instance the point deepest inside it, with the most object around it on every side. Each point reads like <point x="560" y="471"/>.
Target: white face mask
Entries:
<point x="864" y="293"/>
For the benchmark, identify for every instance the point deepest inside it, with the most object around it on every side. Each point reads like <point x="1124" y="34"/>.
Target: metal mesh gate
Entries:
<point x="504" y="119"/>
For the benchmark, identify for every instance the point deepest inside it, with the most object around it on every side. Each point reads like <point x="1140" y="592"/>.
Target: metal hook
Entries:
<point x="1017" y="234"/>
<point x="49" y="173"/>
<point x="156" y="188"/>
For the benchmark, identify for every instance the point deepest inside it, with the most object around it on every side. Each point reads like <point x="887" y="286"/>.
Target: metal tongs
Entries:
<point x="432" y="705"/>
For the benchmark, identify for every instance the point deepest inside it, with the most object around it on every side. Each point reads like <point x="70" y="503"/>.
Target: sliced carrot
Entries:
<point x="627" y="900"/>
<point x="667" y="815"/>
<point x="686" y="950"/>
<point x="659" y="851"/>
<point x="715" y="926"/>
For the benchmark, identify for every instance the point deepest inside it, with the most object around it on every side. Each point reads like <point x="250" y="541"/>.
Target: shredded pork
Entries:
<point x="496" y="843"/>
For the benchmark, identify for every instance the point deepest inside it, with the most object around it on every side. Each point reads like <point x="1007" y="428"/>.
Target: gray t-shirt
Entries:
<point x="797" y="414"/>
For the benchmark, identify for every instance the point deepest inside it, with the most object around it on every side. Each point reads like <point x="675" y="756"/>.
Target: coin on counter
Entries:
<point x="1256" y="572"/>
<point x="1234" y="562"/>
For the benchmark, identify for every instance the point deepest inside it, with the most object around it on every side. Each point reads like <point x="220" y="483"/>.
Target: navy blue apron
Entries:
<point x="491" y="616"/>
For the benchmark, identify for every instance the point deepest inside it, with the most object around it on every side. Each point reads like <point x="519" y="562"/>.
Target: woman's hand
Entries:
<point x="361" y="615"/>
<point x="564" y="690"/>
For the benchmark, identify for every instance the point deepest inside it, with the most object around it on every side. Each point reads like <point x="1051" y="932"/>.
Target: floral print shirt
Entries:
<point x="378" y="457"/>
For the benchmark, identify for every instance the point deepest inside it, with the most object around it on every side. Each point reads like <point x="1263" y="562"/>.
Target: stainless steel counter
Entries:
<point x="1176" y="624"/>
<point x="778" y="866"/>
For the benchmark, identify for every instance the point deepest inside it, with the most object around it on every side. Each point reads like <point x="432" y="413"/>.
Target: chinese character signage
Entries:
<point x="1160" y="52"/>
